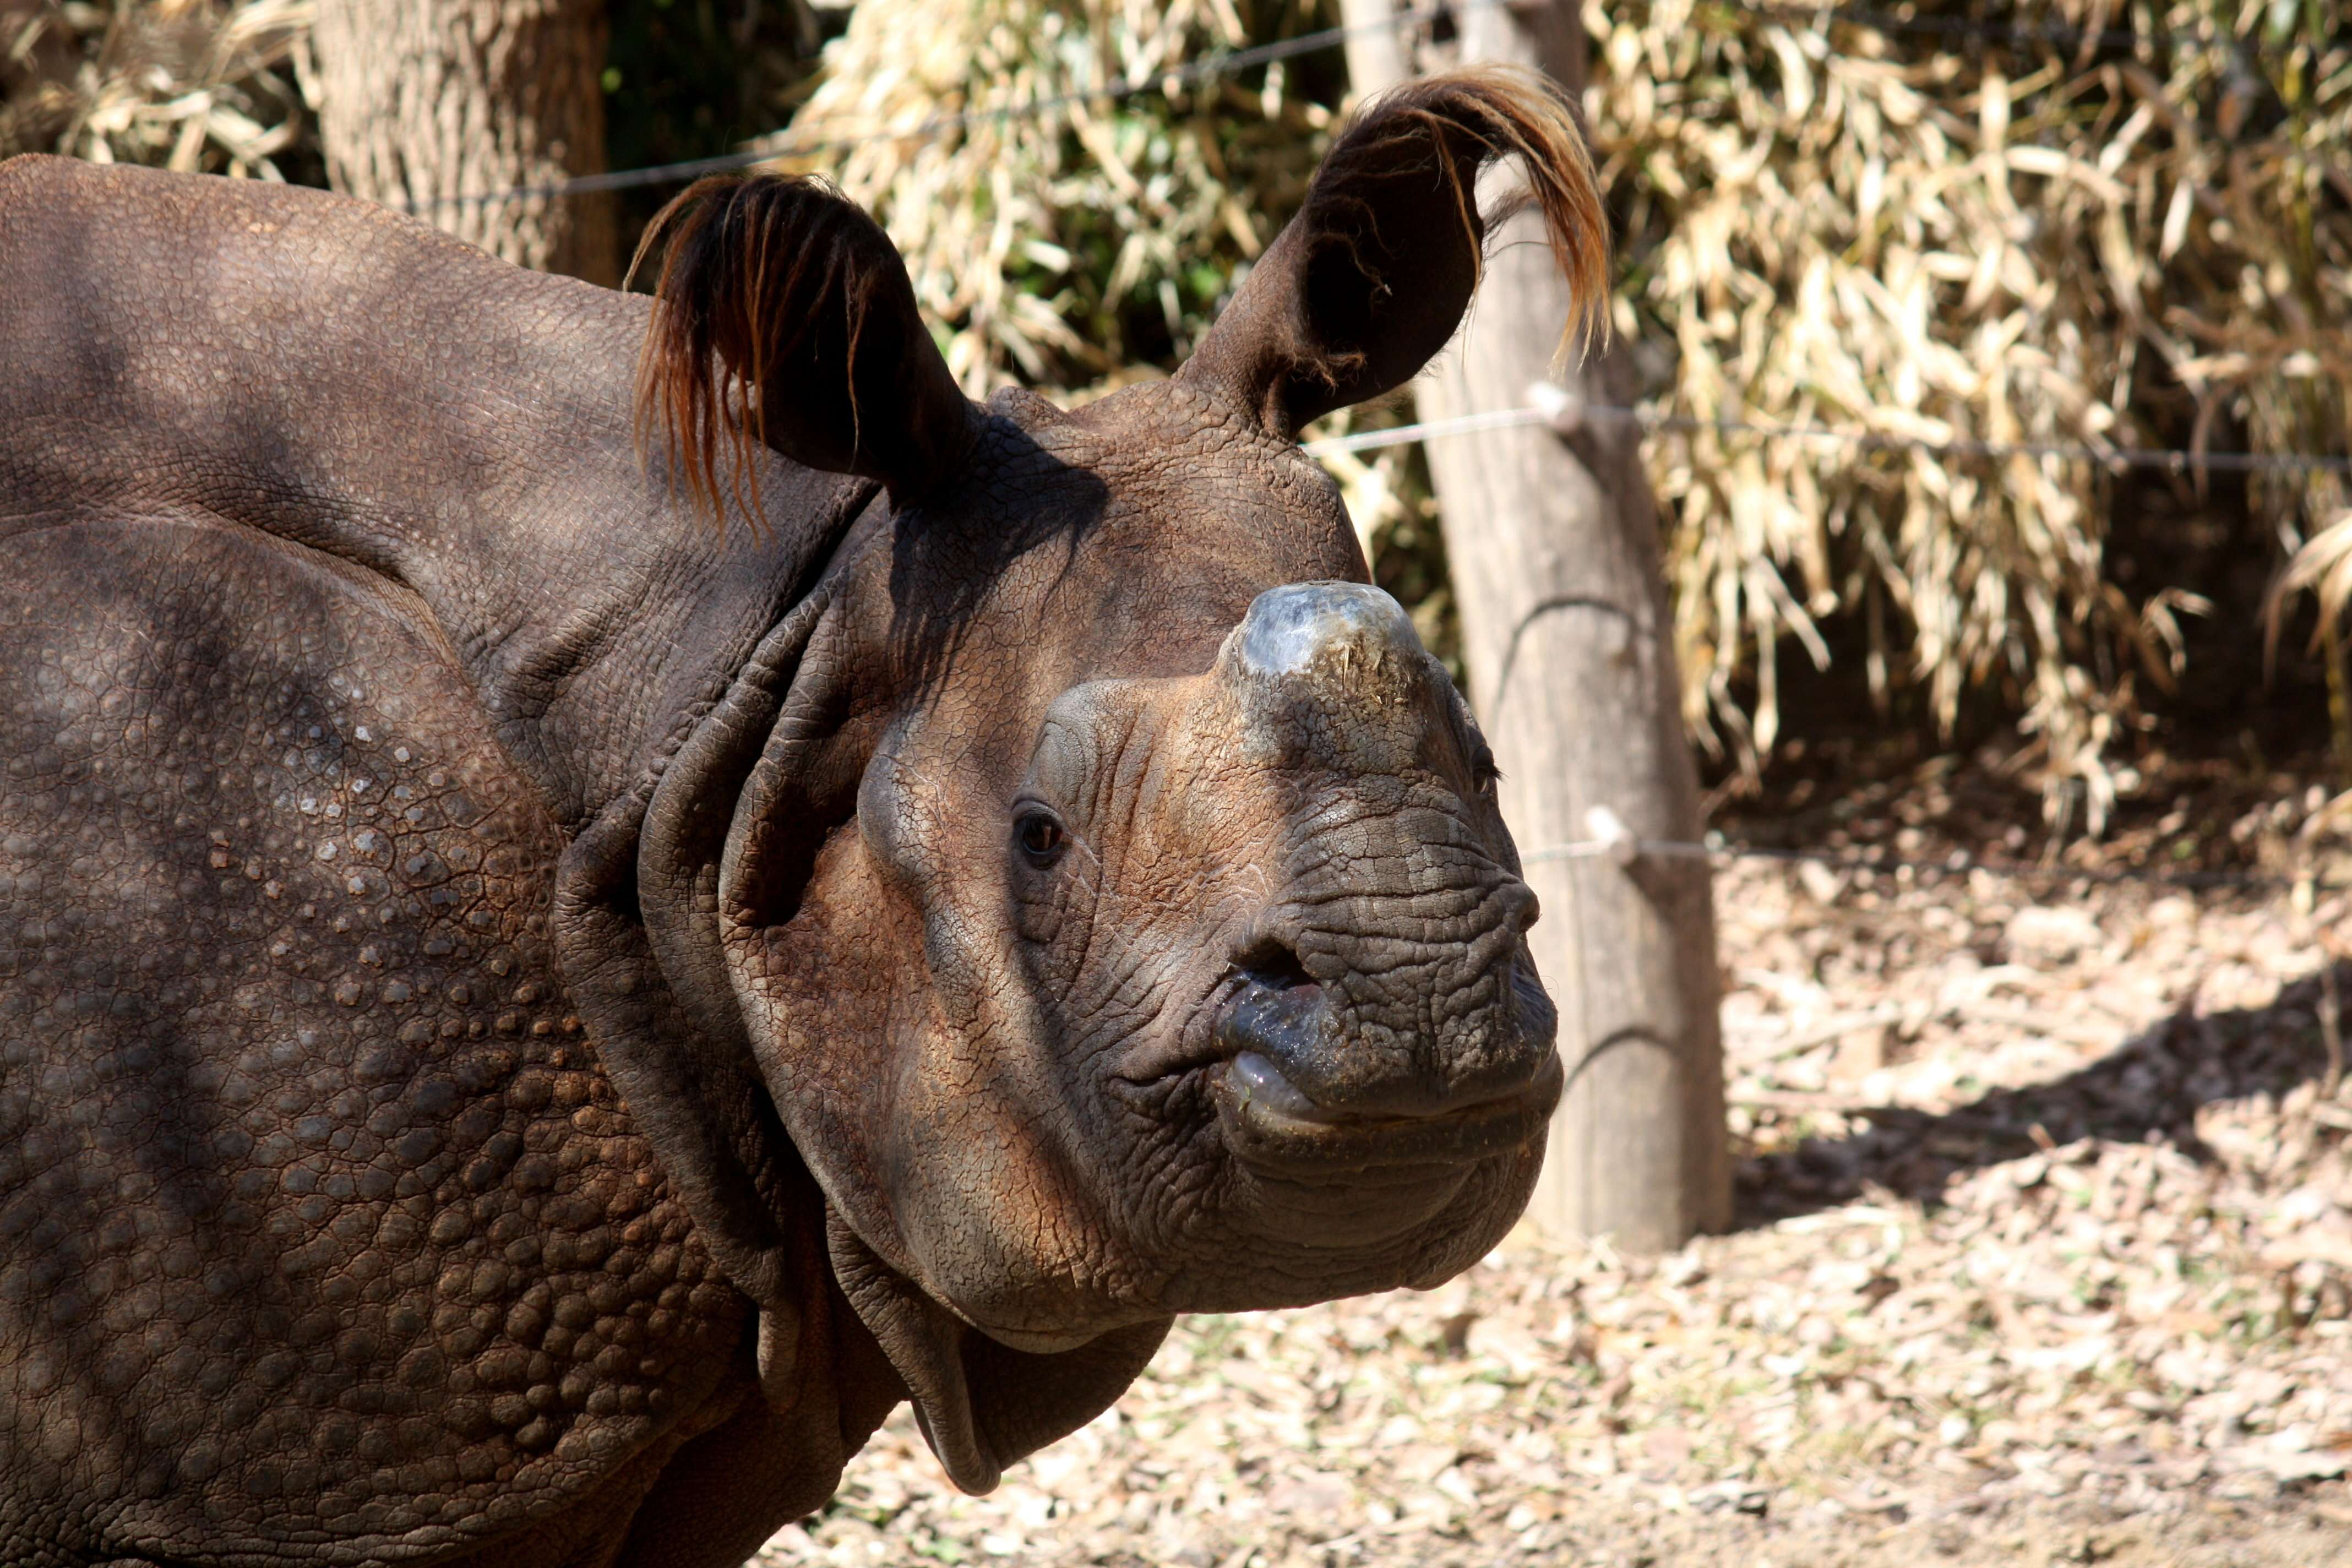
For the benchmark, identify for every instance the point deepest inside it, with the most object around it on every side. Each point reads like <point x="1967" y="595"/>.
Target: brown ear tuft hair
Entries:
<point x="1505" y="110"/>
<point x="1373" y="276"/>
<point x="782" y="317"/>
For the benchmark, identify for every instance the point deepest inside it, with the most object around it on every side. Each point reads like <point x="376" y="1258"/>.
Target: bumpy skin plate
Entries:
<point x="324" y="1227"/>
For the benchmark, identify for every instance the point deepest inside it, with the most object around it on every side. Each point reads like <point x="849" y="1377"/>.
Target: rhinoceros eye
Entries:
<point x="1041" y="836"/>
<point x="1482" y="771"/>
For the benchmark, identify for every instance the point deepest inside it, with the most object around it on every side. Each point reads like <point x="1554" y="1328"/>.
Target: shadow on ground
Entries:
<point x="2148" y="1091"/>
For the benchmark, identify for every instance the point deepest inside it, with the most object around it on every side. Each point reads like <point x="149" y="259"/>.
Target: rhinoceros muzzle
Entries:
<point x="1335" y="679"/>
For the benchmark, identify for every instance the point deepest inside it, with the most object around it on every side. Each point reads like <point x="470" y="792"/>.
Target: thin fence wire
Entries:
<point x="775" y="146"/>
<point x="2177" y="459"/>
<point x="1715" y="848"/>
<point x="2104" y="41"/>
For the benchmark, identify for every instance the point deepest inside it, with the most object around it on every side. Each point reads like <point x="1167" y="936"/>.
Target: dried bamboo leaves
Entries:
<point x="1064" y="247"/>
<point x="1841" y="226"/>
<point x="196" y="85"/>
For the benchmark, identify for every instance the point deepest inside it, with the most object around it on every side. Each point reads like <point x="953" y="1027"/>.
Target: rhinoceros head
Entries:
<point x="1117" y="910"/>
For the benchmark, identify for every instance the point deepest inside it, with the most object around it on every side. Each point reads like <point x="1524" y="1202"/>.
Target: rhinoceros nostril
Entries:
<point x="1276" y="1011"/>
<point x="1273" y="963"/>
<point x="1276" y="1024"/>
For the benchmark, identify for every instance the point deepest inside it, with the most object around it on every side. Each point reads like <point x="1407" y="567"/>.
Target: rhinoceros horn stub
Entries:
<point x="1332" y="673"/>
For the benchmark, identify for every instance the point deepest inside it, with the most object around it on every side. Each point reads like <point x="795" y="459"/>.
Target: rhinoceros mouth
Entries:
<point x="1270" y="1123"/>
<point x="1225" y="1066"/>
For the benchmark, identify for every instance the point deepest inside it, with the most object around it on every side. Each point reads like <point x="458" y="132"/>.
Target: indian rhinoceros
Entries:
<point x="596" y="889"/>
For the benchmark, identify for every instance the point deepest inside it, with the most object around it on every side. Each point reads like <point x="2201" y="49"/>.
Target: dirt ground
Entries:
<point x="2045" y="1256"/>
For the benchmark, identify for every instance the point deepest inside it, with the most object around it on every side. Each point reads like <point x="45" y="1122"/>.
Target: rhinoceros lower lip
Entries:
<point x="1269" y="1121"/>
<point x="1255" y="1078"/>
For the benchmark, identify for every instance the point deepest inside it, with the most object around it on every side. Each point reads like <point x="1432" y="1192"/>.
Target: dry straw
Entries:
<point x="1843" y="227"/>
<point x="186" y="84"/>
<point x="1063" y="248"/>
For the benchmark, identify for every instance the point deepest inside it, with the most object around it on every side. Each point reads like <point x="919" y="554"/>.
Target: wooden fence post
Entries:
<point x="437" y="100"/>
<point x="1553" y="545"/>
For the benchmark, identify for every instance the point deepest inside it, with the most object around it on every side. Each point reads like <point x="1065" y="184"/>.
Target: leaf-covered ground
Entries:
<point x="2046" y="1257"/>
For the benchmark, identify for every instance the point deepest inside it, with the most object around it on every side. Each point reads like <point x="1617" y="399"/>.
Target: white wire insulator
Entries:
<point x="1609" y="832"/>
<point x="1562" y="409"/>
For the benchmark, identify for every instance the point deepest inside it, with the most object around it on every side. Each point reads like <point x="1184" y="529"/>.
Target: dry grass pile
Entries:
<point x="186" y="84"/>
<point x="1961" y="238"/>
<point x="1063" y="248"/>
<point x="2322" y="568"/>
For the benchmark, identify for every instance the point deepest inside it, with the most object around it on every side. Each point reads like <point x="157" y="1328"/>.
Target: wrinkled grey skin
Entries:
<point x="528" y="1023"/>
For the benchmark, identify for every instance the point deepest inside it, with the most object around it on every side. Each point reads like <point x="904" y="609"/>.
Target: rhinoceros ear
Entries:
<point x="1373" y="276"/>
<point x="784" y="316"/>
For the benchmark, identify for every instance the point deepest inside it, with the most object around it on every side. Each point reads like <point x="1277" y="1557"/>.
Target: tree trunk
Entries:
<point x="1553" y="545"/>
<point x="427" y="100"/>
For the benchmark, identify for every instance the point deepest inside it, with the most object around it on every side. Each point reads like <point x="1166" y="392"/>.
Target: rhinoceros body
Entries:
<point x="532" y="1015"/>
